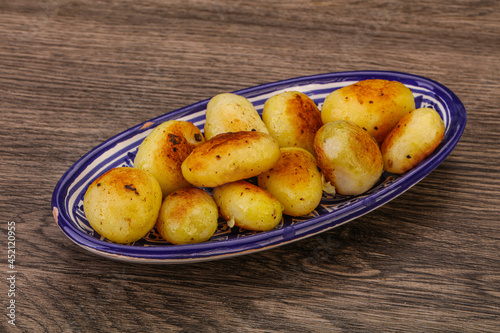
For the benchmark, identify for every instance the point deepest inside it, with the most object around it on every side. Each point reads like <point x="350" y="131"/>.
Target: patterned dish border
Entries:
<point x="120" y="150"/>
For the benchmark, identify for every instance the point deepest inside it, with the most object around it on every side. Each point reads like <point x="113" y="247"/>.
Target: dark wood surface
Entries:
<point x="75" y="73"/>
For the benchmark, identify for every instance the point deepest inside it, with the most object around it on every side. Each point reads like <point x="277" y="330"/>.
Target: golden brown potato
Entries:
<point x="229" y="157"/>
<point x="231" y="113"/>
<point x="295" y="181"/>
<point x="375" y="105"/>
<point x="293" y="119"/>
<point x="188" y="216"/>
<point x="348" y="156"/>
<point x="123" y="204"/>
<point x="163" y="151"/>
<point x="248" y="206"/>
<point x="415" y="136"/>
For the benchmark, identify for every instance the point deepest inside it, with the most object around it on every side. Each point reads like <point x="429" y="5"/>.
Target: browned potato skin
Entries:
<point x="229" y="157"/>
<point x="229" y="112"/>
<point x="248" y="206"/>
<point x="348" y="156"/>
<point x="293" y="119"/>
<point x="163" y="151"/>
<point x="188" y="216"/>
<point x="295" y="181"/>
<point x="375" y="105"/>
<point x="123" y="204"/>
<point x="414" y="138"/>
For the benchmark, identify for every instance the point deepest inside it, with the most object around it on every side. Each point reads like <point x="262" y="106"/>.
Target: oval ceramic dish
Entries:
<point x="67" y="201"/>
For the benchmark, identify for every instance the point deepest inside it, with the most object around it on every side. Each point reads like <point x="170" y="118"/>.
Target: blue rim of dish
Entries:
<point x="455" y="120"/>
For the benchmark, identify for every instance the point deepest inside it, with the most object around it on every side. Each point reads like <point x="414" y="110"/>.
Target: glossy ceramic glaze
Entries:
<point x="67" y="201"/>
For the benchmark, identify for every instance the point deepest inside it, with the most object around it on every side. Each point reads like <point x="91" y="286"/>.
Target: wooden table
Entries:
<point x="75" y="73"/>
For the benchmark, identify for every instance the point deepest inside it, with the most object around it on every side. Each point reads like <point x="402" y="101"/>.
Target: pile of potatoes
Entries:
<point x="294" y="152"/>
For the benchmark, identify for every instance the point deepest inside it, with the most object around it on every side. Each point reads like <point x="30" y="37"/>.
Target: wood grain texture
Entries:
<point x="75" y="72"/>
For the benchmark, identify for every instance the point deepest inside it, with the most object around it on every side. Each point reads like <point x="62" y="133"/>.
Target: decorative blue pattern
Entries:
<point x="67" y="201"/>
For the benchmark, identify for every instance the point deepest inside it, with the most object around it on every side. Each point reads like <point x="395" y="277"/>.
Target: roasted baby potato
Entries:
<point x="293" y="119"/>
<point x="163" y="151"/>
<point x="348" y="156"/>
<point x="123" y="204"/>
<point x="414" y="137"/>
<point x="295" y="181"/>
<point x="375" y="105"/>
<point x="188" y="216"/>
<point x="231" y="113"/>
<point x="229" y="157"/>
<point x="248" y="206"/>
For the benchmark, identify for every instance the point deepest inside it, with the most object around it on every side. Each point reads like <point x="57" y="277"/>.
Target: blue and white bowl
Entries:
<point x="67" y="200"/>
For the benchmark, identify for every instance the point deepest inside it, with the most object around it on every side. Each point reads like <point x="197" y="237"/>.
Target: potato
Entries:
<point x="248" y="206"/>
<point x="231" y="113"/>
<point x="348" y="156"/>
<point x="229" y="157"/>
<point x="293" y="119"/>
<point x="188" y="216"/>
<point x="415" y="136"/>
<point x="295" y="181"/>
<point x="123" y="204"/>
<point x="374" y="105"/>
<point x="163" y="151"/>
